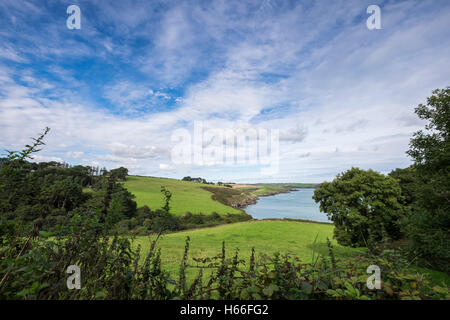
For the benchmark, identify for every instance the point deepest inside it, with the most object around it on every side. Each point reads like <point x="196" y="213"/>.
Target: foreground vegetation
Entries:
<point x="305" y="240"/>
<point x="116" y="269"/>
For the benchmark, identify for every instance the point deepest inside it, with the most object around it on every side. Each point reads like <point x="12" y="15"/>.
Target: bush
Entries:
<point x="187" y="216"/>
<point x="143" y="213"/>
<point x="147" y="223"/>
<point x="165" y="222"/>
<point x="122" y="227"/>
<point x="215" y="216"/>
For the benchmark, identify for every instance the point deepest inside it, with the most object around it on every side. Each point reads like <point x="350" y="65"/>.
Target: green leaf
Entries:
<point x="100" y="294"/>
<point x="269" y="290"/>
<point x="45" y="234"/>
<point x="306" y="287"/>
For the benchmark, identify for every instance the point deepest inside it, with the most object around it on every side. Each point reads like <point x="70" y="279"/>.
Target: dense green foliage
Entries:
<point x="47" y="196"/>
<point x="407" y="180"/>
<point x="365" y="207"/>
<point x="41" y="195"/>
<point x="120" y="173"/>
<point x="428" y="225"/>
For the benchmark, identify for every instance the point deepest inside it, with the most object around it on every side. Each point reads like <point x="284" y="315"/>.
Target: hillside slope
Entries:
<point x="186" y="196"/>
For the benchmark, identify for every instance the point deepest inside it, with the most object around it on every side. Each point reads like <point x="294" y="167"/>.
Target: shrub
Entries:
<point x="165" y="222"/>
<point x="215" y="216"/>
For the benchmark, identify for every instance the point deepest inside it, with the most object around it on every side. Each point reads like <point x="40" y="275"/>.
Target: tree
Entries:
<point x="428" y="226"/>
<point x="120" y="173"/>
<point x="64" y="194"/>
<point x="17" y="186"/>
<point x="407" y="179"/>
<point x="122" y="200"/>
<point x="363" y="205"/>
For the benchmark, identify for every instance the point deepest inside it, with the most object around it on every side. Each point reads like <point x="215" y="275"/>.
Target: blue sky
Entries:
<point x="114" y="91"/>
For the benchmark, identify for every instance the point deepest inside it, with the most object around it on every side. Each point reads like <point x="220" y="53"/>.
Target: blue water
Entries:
<point x="295" y="205"/>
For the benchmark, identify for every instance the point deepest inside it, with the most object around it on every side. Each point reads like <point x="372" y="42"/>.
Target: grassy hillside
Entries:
<point x="198" y="198"/>
<point x="186" y="196"/>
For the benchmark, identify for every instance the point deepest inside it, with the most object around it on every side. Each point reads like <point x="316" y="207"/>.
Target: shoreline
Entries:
<point x="293" y="220"/>
<point x="274" y="193"/>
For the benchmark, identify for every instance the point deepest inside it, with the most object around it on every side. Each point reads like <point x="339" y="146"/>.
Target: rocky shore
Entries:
<point x="241" y="203"/>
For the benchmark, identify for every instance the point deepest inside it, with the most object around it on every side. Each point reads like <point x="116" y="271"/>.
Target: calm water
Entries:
<point x="296" y="205"/>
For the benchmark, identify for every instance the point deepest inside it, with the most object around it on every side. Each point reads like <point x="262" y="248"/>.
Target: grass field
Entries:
<point x="266" y="237"/>
<point x="265" y="190"/>
<point x="186" y="196"/>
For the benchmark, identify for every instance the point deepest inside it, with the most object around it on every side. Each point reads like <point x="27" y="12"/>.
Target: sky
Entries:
<point x="116" y="91"/>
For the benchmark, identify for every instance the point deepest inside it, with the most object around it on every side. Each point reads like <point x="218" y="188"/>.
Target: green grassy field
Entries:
<point x="186" y="196"/>
<point x="266" y="237"/>
<point x="268" y="190"/>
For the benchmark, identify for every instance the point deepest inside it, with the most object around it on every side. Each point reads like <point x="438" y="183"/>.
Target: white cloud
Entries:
<point x="44" y="158"/>
<point x="136" y="152"/>
<point x="11" y="54"/>
<point x="165" y="167"/>
<point x="75" y="154"/>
